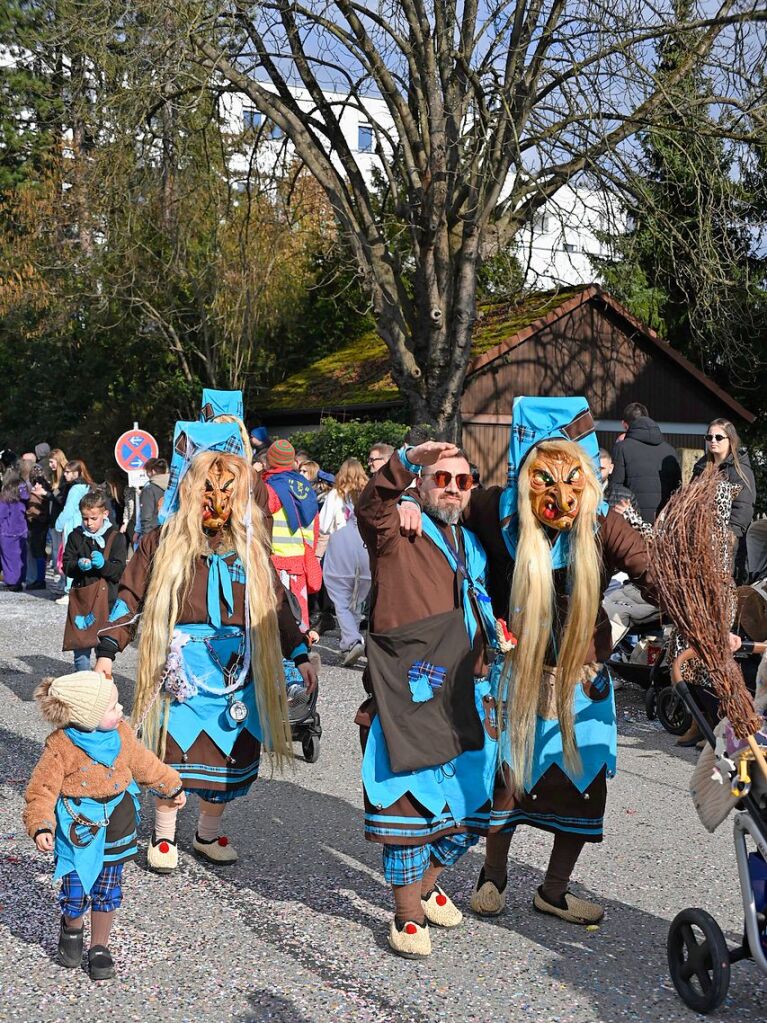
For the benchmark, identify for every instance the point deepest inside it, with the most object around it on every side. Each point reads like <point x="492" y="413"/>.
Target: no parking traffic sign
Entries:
<point x="134" y="448"/>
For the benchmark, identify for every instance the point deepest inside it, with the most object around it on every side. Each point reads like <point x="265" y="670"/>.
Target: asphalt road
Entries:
<point x="295" y="932"/>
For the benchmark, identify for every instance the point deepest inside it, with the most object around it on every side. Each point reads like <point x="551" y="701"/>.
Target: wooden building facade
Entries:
<point x="588" y="345"/>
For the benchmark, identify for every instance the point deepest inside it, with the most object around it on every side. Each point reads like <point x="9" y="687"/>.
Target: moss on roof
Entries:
<point x="358" y="373"/>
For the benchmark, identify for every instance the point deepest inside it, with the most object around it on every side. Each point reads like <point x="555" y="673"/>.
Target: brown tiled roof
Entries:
<point x="359" y="375"/>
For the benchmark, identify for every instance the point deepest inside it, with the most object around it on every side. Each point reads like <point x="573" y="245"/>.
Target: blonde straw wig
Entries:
<point x="532" y="614"/>
<point x="182" y="544"/>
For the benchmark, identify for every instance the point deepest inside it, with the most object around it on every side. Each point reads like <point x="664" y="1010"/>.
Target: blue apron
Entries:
<point x="206" y="710"/>
<point x="85" y="849"/>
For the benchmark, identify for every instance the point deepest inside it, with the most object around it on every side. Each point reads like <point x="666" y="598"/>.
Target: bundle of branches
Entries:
<point x="695" y="588"/>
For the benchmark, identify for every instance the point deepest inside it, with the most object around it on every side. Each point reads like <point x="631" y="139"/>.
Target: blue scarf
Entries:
<point x="296" y="497"/>
<point x="102" y="747"/>
<point x="471" y="571"/>
<point x="219" y="587"/>
<point x="98" y="537"/>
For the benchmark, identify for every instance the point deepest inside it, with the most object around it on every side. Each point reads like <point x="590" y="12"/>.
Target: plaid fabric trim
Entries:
<point x="405" y="864"/>
<point x="106" y="894"/>
<point x="213" y="796"/>
<point x="451" y="848"/>
<point x="432" y="672"/>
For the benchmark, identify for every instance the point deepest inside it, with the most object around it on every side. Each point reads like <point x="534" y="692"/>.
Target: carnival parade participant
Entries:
<point x="428" y="728"/>
<point x="552" y="547"/>
<point x="82" y="805"/>
<point x="210" y="687"/>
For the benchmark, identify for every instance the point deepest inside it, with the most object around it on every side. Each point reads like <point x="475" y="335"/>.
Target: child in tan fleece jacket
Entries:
<point x="81" y="804"/>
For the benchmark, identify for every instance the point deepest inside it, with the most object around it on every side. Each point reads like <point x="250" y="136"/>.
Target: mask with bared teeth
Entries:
<point x="217" y="498"/>
<point x="557" y="482"/>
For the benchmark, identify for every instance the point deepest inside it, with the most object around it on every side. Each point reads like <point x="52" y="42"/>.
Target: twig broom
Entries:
<point x="695" y="588"/>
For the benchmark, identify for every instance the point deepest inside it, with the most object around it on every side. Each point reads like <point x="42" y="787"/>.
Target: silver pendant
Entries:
<point x="237" y="711"/>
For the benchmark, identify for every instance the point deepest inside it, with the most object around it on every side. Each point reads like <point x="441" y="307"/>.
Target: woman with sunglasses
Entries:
<point x="723" y="448"/>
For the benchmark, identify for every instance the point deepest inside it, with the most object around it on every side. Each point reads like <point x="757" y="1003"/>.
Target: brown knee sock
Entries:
<point x="496" y="856"/>
<point x="429" y="879"/>
<point x="564" y="856"/>
<point x="407" y="902"/>
<point x="101" y="927"/>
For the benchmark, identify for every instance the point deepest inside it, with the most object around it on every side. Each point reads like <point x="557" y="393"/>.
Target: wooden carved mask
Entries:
<point x="556" y="485"/>
<point x="217" y="499"/>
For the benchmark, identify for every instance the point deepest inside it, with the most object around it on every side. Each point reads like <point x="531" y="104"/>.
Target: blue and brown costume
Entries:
<point x="556" y="799"/>
<point x="84" y="791"/>
<point x="439" y="810"/>
<point x="217" y="757"/>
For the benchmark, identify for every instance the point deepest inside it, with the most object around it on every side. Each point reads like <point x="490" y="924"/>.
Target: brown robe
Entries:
<point x="410" y="580"/>
<point x="203" y="752"/>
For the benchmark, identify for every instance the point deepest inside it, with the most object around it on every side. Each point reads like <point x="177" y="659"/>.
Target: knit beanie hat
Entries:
<point x="42" y="451"/>
<point x="78" y="699"/>
<point x="281" y="455"/>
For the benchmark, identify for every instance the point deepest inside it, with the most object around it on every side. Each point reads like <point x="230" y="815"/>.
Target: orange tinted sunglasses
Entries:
<point x="464" y="480"/>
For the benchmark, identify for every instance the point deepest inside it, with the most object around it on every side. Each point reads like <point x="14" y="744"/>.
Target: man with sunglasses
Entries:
<point x="427" y="727"/>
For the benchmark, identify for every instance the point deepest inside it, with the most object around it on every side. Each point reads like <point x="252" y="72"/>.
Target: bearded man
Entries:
<point x="215" y="624"/>
<point x="428" y="729"/>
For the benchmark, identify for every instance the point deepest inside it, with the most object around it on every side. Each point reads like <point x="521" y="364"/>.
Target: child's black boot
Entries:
<point x="101" y="965"/>
<point x="70" y="945"/>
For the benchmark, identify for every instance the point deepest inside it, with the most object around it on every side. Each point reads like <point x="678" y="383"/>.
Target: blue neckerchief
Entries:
<point x="98" y="537"/>
<point x="296" y="497"/>
<point x="471" y="570"/>
<point x="219" y="587"/>
<point x="102" y="747"/>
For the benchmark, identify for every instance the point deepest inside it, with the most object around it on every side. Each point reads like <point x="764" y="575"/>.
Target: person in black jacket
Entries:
<point x="724" y="450"/>
<point x="95" y="550"/>
<point x="645" y="463"/>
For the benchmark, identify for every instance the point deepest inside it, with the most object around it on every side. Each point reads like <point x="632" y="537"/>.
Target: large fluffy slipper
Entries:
<point x="70" y="945"/>
<point x="570" y="908"/>
<point x="440" y="909"/>
<point x="410" y="940"/>
<point x="162" y="855"/>
<point x="488" y="899"/>
<point x="217" y="850"/>
<point x="100" y="963"/>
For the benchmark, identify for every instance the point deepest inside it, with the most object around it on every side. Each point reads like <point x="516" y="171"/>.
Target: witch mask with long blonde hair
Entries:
<point x="557" y="481"/>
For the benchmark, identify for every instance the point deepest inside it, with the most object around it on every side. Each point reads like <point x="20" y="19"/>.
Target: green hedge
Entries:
<point x="336" y="441"/>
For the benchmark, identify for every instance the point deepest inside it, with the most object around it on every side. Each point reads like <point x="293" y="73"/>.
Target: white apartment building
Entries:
<point x="553" y="250"/>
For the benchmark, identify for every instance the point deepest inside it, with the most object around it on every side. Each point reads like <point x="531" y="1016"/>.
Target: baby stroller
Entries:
<point x="699" y="958"/>
<point x="304" y="718"/>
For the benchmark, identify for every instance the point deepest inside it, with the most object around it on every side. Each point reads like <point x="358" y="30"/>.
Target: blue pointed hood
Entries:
<point x="189" y="440"/>
<point x="220" y="403"/>
<point x="535" y="420"/>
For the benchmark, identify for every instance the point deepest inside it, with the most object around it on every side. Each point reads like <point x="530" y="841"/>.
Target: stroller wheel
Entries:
<point x="698" y="960"/>
<point x="651" y="703"/>
<point x="672" y="713"/>
<point x="310" y="746"/>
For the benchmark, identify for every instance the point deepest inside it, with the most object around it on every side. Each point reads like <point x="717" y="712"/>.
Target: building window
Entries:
<point x="541" y="222"/>
<point x="570" y="247"/>
<point x="275" y="131"/>
<point x="365" y="138"/>
<point x="251" y="119"/>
